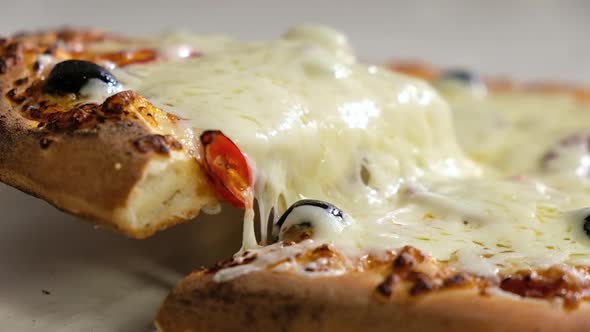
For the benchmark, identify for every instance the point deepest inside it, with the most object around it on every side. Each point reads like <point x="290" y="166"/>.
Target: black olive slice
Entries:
<point x="71" y="75"/>
<point x="306" y="220"/>
<point x="461" y="75"/>
<point x="587" y="225"/>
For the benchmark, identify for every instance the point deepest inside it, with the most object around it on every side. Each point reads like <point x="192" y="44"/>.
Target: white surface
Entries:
<point x="101" y="281"/>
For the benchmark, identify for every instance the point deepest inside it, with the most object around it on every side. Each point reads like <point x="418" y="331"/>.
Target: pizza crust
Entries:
<point x="128" y="172"/>
<point x="279" y="301"/>
<point x="145" y="192"/>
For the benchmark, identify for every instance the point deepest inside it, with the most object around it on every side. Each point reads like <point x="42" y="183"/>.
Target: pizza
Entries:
<point x="113" y="158"/>
<point x="375" y="198"/>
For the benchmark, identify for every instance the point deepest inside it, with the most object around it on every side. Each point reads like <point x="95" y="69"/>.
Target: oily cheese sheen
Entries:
<point x="487" y="182"/>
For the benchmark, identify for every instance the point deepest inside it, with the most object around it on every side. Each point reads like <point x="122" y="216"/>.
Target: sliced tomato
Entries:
<point x="227" y="168"/>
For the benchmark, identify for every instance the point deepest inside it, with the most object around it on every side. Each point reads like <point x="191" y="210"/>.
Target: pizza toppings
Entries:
<point x="460" y="75"/>
<point x="587" y="225"/>
<point x="308" y="217"/>
<point x="570" y="155"/>
<point x="71" y="76"/>
<point x="227" y="168"/>
<point x="451" y="81"/>
<point x="264" y="96"/>
<point x="568" y="283"/>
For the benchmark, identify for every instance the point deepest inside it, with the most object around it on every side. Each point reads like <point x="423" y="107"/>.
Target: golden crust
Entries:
<point x="119" y="164"/>
<point x="274" y="301"/>
<point x="407" y="291"/>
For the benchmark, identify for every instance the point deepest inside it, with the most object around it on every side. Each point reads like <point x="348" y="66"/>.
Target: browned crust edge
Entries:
<point x="76" y="172"/>
<point x="287" y="302"/>
<point x="497" y="84"/>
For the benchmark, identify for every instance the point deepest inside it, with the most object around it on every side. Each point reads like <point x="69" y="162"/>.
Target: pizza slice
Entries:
<point x="111" y="128"/>
<point x="502" y="250"/>
<point x="73" y="135"/>
<point x="383" y="202"/>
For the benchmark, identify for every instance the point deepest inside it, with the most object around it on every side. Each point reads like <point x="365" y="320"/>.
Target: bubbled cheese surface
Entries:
<point x="478" y="180"/>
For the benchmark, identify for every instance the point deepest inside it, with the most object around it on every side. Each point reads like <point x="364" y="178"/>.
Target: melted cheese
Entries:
<point x="483" y="184"/>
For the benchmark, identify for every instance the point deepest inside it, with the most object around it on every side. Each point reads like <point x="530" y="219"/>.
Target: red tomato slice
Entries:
<point x="227" y="168"/>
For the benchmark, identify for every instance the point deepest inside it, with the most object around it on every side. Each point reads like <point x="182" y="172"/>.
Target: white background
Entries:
<point x="101" y="281"/>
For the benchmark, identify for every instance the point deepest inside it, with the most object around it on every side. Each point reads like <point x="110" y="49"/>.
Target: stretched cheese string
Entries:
<point x="248" y="233"/>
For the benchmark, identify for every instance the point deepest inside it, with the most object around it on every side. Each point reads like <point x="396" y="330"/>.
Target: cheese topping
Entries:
<point x="495" y="182"/>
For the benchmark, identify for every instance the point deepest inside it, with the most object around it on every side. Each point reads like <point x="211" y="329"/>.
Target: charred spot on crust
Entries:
<point x="11" y="93"/>
<point x="422" y="284"/>
<point x="61" y="114"/>
<point x="532" y="284"/>
<point x="37" y="66"/>
<point x="80" y="117"/>
<point x="12" y="48"/>
<point x="386" y="287"/>
<point x="554" y="282"/>
<point x="33" y="112"/>
<point x="15" y="97"/>
<point x="458" y="279"/>
<point x="161" y="144"/>
<point x="249" y="259"/>
<point x="118" y="104"/>
<point x="21" y="81"/>
<point x="408" y="265"/>
<point x="10" y="55"/>
<point x="403" y="260"/>
<point x="246" y="258"/>
<point x="122" y="104"/>
<point x="408" y="257"/>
